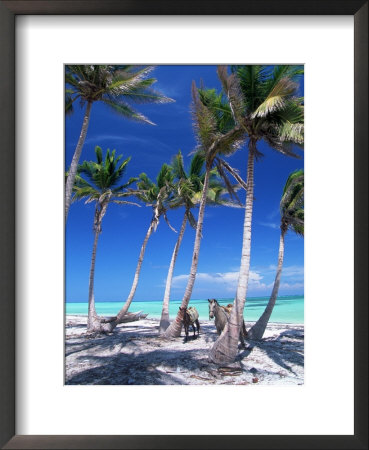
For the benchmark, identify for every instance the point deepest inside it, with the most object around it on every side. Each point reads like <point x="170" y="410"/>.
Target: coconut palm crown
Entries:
<point x="189" y="185"/>
<point x="100" y="180"/>
<point x="264" y="101"/>
<point x="292" y="203"/>
<point x="118" y="87"/>
<point x="157" y="194"/>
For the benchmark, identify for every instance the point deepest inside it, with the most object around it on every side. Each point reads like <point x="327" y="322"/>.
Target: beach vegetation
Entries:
<point x="187" y="195"/>
<point x="258" y="107"/>
<point x="216" y="135"/>
<point x="292" y="218"/>
<point x="264" y="103"/>
<point x="100" y="182"/>
<point x="156" y="195"/>
<point x="118" y="87"/>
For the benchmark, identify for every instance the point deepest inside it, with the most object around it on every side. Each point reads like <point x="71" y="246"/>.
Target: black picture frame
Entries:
<point x="8" y="11"/>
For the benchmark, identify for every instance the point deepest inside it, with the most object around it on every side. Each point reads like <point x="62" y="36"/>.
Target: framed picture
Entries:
<point x="49" y="412"/>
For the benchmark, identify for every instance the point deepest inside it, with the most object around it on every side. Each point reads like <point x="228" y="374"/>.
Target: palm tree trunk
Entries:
<point x="74" y="164"/>
<point x="92" y="321"/>
<point x="225" y="348"/>
<point x="258" y="329"/>
<point x="174" y="330"/>
<point x="164" y="321"/>
<point x="108" y="327"/>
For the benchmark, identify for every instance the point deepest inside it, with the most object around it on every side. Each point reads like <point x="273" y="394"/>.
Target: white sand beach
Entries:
<point x="135" y="355"/>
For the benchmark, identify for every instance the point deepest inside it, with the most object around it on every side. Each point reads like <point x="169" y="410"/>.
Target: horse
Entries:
<point x="190" y="317"/>
<point x="221" y="315"/>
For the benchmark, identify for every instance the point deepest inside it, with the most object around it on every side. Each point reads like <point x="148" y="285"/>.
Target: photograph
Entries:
<point x="184" y="224"/>
<point x="153" y="236"/>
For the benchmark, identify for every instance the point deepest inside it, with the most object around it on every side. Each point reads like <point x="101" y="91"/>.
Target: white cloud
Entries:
<point x="273" y="225"/>
<point x="291" y="286"/>
<point x="260" y="281"/>
<point x="227" y="280"/>
<point x="290" y="271"/>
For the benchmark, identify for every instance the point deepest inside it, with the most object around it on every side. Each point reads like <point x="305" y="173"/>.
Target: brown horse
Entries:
<point x="190" y="317"/>
<point x="227" y="308"/>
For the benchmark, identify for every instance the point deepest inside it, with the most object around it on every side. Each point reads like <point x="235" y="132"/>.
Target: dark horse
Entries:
<point x="221" y="315"/>
<point x="190" y="317"/>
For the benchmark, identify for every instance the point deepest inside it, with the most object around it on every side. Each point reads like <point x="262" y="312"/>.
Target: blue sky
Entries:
<point x="124" y="227"/>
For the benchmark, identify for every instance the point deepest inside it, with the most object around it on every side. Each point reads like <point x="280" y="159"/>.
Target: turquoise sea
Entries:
<point x="288" y="309"/>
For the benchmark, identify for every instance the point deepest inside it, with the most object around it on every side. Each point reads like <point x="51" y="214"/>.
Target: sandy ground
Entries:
<point x="134" y="354"/>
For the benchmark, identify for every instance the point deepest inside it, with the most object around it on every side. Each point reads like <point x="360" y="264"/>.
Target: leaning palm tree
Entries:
<point x="115" y="86"/>
<point x="215" y="136"/>
<point x="264" y="103"/>
<point x="187" y="194"/>
<point x="292" y="218"/>
<point x="99" y="181"/>
<point x="157" y="195"/>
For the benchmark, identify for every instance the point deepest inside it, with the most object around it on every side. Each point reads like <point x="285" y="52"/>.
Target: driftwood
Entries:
<point x="128" y="317"/>
<point x="230" y="371"/>
<point x="201" y="378"/>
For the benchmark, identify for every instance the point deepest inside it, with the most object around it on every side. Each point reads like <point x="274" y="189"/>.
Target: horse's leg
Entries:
<point x="198" y="326"/>
<point x="193" y="328"/>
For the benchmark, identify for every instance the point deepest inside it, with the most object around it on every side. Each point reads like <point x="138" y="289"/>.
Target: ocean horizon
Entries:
<point x="288" y="308"/>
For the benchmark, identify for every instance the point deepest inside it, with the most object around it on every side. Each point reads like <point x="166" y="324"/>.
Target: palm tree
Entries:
<point x="115" y="86"/>
<point x="102" y="187"/>
<point x="264" y="102"/>
<point x="292" y="218"/>
<point x="188" y="191"/>
<point x="157" y="195"/>
<point x="215" y="136"/>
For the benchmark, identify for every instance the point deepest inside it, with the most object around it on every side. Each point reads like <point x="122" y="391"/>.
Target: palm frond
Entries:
<point x="125" y="202"/>
<point x="277" y="97"/>
<point x="204" y="122"/>
<point x="251" y="81"/>
<point x="178" y="166"/>
<point x="282" y="71"/>
<point x="232" y="90"/>
<point x="96" y="180"/>
<point x="229" y="187"/>
<point x="115" y="85"/>
<point x="219" y="108"/>
<point x="165" y="176"/>
<point x="142" y="94"/>
<point x="292" y="132"/>
<point x="191" y="219"/>
<point x="232" y="171"/>
<point x="292" y="202"/>
<point x="125" y="110"/>
<point x="69" y="100"/>
<point x="197" y="165"/>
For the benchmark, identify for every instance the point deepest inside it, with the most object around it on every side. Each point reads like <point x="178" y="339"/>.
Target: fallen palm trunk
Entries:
<point x="128" y="317"/>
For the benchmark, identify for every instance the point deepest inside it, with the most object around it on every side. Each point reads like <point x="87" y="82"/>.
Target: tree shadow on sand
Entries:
<point x="154" y="367"/>
<point x="281" y="350"/>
